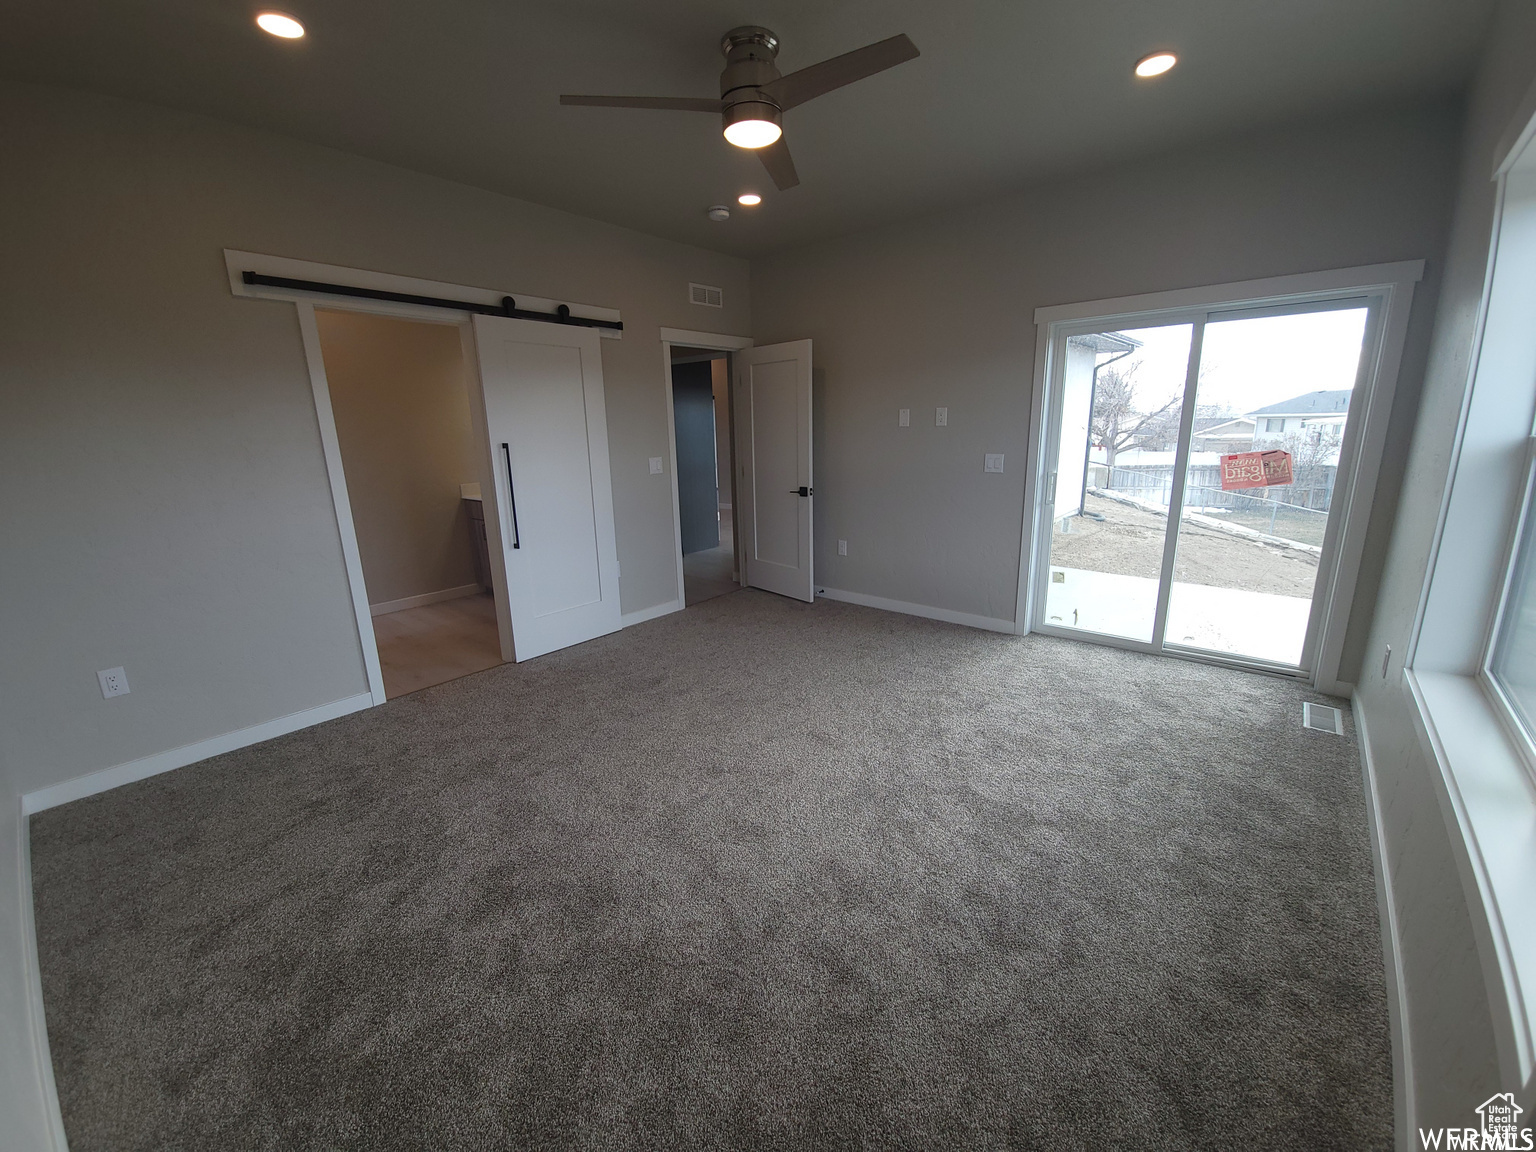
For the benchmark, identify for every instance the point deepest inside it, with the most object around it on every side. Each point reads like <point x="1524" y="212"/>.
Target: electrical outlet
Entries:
<point x="993" y="463"/>
<point x="904" y="418"/>
<point x="842" y="547"/>
<point x="941" y="417"/>
<point x="655" y="465"/>
<point x="113" y="681"/>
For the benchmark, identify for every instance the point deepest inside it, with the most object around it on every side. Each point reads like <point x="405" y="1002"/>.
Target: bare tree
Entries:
<point x="1313" y="451"/>
<point x="1116" y="421"/>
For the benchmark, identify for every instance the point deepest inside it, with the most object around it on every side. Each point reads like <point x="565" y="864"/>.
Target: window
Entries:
<point x="1471" y="665"/>
<point x="1512" y="656"/>
<point x="1271" y="424"/>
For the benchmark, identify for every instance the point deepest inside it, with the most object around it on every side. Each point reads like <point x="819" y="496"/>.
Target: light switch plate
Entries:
<point x="842" y="547"/>
<point x="655" y="465"/>
<point x="904" y="418"/>
<point x="941" y="417"/>
<point x="113" y="681"/>
<point x="994" y="462"/>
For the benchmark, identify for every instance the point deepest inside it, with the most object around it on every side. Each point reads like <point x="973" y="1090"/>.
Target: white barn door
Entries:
<point x="773" y="389"/>
<point x="549" y="505"/>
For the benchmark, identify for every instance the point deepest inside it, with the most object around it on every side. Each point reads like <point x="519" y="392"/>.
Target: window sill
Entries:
<point x="1491" y="799"/>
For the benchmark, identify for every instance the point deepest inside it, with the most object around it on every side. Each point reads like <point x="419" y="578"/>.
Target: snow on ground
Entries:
<point x="1258" y="625"/>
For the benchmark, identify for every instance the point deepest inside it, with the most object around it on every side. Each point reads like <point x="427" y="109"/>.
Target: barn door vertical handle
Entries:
<point x="506" y="454"/>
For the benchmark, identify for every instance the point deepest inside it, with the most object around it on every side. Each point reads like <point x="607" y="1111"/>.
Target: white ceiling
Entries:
<point x="1006" y="92"/>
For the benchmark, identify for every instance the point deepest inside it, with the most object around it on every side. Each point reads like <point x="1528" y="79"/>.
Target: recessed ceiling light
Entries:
<point x="279" y="24"/>
<point x="1156" y="64"/>
<point x="749" y="199"/>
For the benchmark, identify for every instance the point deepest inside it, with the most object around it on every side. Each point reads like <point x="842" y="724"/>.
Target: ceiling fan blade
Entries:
<point x="665" y="103"/>
<point x="819" y="79"/>
<point x="780" y="167"/>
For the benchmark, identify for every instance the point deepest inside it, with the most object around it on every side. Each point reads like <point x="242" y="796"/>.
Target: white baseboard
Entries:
<point x="655" y="610"/>
<point x="989" y="623"/>
<point x="108" y="778"/>
<point x="52" y="1120"/>
<point x="1405" y="1112"/>
<point x="423" y="600"/>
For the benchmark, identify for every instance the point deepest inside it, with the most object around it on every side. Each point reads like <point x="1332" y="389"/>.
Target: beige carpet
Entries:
<point x="760" y="874"/>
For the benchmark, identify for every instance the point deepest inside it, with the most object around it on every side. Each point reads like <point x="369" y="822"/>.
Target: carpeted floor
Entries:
<point x="760" y="874"/>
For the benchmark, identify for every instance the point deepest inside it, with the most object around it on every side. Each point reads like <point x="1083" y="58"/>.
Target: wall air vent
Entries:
<point x="705" y="295"/>
<point x="1322" y="718"/>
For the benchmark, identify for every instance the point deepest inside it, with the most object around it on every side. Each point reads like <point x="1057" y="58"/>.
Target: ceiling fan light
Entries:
<point x="752" y="124"/>
<point x="753" y="133"/>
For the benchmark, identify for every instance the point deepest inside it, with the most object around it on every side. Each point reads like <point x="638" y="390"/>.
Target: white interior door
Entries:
<point x="549" y="503"/>
<point x="773" y="414"/>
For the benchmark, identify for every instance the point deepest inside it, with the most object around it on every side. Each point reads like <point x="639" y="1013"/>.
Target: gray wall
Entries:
<point x="698" y="475"/>
<point x="166" y="503"/>
<point x="401" y="400"/>
<point x="940" y="312"/>
<point x="1451" y="1035"/>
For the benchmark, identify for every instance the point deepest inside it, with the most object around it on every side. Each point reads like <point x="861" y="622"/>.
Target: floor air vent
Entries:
<point x="706" y="295"/>
<point x="1322" y="718"/>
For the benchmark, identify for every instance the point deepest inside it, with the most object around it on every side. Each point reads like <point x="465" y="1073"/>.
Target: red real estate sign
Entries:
<point x="1255" y="469"/>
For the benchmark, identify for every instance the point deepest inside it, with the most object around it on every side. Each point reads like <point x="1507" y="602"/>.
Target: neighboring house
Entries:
<point x="1225" y="436"/>
<point x="1086" y="354"/>
<point x="1314" y="410"/>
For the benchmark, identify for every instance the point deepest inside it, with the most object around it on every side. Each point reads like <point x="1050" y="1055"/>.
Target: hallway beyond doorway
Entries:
<point x="711" y="572"/>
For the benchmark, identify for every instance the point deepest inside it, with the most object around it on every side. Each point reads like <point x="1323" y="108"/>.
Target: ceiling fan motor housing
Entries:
<point x="749" y="64"/>
<point x="753" y="95"/>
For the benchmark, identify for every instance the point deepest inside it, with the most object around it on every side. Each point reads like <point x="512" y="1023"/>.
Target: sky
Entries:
<point x="1251" y="363"/>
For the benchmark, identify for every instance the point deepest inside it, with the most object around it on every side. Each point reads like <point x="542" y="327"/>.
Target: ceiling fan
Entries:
<point x="753" y="96"/>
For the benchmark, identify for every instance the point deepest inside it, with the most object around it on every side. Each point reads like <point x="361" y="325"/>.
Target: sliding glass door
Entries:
<point x="1191" y="461"/>
<point x="1121" y="406"/>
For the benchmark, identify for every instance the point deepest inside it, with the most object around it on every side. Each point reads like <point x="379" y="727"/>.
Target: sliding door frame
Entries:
<point x="1391" y="287"/>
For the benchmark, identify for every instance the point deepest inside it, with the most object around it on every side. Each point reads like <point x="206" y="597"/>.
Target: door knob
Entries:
<point x="803" y="491"/>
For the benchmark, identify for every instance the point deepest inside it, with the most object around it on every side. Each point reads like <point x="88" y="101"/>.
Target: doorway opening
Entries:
<point x="706" y="505"/>
<point x="1191" y="467"/>
<point x="760" y="405"/>
<point x="399" y="391"/>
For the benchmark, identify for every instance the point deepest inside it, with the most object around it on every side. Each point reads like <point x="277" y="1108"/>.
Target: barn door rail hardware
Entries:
<point x="507" y="307"/>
